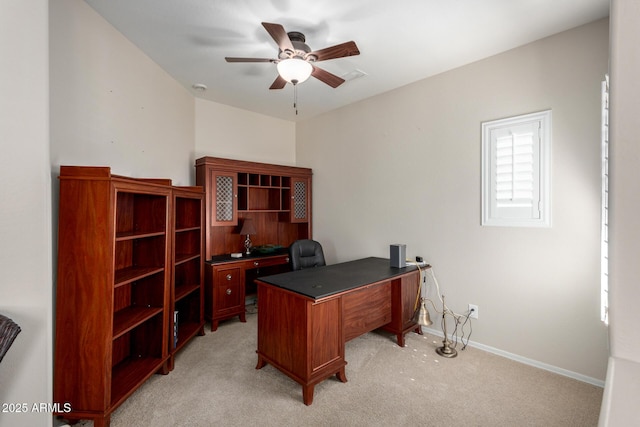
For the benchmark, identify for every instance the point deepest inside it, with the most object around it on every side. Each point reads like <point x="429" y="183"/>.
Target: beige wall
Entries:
<point x="25" y="217"/>
<point x="625" y="198"/>
<point x="113" y="106"/>
<point x="228" y="132"/>
<point x="622" y="391"/>
<point x="404" y="167"/>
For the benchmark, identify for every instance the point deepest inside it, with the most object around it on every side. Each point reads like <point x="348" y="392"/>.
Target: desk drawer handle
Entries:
<point x="228" y="291"/>
<point x="287" y="259"/>
<point x="228" y="277"/>
<point x="256" y="263"/>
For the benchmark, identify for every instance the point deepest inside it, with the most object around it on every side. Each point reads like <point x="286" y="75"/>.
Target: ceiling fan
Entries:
<point x="296" y="60"/>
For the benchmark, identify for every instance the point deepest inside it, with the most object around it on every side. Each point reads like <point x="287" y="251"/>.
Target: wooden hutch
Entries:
<point x="278" y="201"/>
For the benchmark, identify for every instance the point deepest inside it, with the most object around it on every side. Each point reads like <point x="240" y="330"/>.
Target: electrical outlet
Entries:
<point x="474" y="313"/>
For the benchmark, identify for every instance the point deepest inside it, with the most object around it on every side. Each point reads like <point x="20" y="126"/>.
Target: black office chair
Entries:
<point x="306" y="253"/>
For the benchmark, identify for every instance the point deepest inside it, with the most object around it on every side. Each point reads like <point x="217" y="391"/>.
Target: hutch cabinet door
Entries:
<point x="300" y="200"/>
<point x="224" y="200"/>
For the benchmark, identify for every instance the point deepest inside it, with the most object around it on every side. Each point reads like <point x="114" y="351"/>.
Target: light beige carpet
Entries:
<point x="215" y="383"/>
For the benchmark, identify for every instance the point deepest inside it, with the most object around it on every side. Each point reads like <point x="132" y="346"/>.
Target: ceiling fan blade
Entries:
<point x="230" y="59"/>
<point x="326" y="77"/>
<point x="278" y="83"/>
<point x="279" y="35"/>
<point x="337" y="51"/>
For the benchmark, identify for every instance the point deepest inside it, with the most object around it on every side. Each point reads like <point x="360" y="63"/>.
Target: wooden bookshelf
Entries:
<point x="130" y="254"/>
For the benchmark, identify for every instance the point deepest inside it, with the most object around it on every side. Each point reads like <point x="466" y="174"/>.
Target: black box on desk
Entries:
<point x="398" y="255"/>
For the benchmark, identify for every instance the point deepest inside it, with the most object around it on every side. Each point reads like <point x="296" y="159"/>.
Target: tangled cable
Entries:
<point x="461" y="320"/>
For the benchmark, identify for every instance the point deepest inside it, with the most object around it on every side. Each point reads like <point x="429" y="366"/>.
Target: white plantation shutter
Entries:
<point x="604" y="219"/>
<point x="515" y="178"/>
<point x="515" y="171"/>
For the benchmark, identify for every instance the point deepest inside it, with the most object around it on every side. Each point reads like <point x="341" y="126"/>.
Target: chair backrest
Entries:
<point x="306" y="253"/>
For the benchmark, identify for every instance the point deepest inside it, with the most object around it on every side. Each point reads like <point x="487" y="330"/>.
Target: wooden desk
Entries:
<point x="306" y="316"/>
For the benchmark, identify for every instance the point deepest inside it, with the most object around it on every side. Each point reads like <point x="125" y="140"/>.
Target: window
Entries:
<point x="515" y="171"/>
<point x="604" y="219"/>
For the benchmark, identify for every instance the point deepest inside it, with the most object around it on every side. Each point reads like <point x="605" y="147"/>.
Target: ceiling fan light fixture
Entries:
<point x="294" y="70"/>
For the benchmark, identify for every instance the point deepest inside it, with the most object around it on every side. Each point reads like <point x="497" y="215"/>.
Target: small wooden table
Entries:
<point x="306" y="316"/>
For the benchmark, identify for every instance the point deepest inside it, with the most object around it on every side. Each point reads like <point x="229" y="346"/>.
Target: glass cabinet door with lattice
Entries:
<point x="224" y="199"/>
<point x="300" y="195"/>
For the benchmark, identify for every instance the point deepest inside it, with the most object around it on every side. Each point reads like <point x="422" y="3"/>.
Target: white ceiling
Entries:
<point x="399" y="43"/>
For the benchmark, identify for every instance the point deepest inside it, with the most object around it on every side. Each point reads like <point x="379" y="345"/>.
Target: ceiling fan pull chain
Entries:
<point x="295" y="97"/>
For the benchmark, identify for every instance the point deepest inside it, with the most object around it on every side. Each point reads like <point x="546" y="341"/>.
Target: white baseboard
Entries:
<point x="526" y="361"/>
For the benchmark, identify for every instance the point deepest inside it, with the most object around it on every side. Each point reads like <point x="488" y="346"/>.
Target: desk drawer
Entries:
<point x="228" y="294"/>
<point x="366" y="309"/>
<point x="265" y="262"/>
<point x="255" y="268"/>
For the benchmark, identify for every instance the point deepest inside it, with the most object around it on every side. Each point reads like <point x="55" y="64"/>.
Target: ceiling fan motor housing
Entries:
<point x="301" y="51"/>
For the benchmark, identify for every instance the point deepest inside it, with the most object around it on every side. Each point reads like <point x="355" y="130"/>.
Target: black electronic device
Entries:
<point x="398" y="255"/>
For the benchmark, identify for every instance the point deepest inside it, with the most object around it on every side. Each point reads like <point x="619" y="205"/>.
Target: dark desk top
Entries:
<point x="320" y="282"/>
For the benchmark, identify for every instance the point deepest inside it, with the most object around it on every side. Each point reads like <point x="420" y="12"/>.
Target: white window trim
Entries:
<point x="543" y="186"/>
